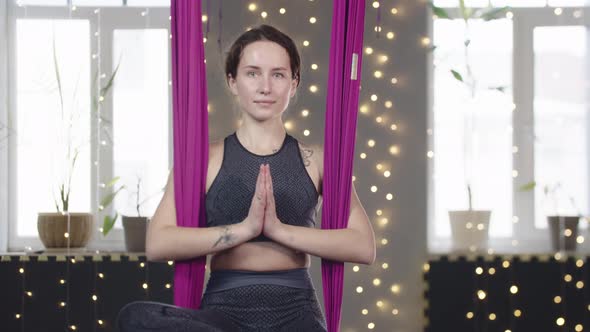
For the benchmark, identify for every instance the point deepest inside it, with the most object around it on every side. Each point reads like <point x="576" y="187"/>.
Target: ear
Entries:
<point x="232" y="85"/>
<point x="293" y="87"/>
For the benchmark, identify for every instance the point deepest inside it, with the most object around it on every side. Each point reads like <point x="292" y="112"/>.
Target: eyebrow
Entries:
<point x="256" y="67"/>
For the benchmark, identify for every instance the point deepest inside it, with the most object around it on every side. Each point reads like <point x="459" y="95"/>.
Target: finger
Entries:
<point x="260" y="184"/>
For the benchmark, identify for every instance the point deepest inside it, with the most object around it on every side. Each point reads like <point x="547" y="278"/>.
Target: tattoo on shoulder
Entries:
<point x="226" y="236"/>
<point x="306" y="154"/>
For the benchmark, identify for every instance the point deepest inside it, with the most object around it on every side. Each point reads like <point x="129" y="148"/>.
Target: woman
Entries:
<point x="263" y="189"/>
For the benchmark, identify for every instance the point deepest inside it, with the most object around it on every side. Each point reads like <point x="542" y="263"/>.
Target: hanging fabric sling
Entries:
<point x="191" y="139"/>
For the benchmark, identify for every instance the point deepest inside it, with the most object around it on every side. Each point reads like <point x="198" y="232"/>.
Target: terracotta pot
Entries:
<point x="135" y="232"/>
<point x="469" y="229"/>
<point x="53" y="225"/>
<point x="558" y="226"/>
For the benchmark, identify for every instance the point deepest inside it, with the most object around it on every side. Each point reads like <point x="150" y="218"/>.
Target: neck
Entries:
<point x="262" y="137"/>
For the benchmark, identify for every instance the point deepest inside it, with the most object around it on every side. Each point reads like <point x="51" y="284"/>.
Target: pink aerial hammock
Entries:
<point x="191" y="139"/>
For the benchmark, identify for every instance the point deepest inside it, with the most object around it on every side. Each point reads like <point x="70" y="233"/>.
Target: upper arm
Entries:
<point x="165" y="214"/>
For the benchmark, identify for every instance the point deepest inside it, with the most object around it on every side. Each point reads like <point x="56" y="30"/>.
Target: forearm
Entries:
<point x="343" y="245"/>
<point x="181" y="243"/>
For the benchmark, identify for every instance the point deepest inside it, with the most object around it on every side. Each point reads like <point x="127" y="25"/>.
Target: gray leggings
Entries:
<point x="236" y="301"/>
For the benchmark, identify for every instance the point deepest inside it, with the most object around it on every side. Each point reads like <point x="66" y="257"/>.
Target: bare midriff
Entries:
<point x="259" y="256"/>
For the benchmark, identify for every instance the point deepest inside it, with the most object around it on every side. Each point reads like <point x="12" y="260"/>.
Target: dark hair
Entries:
<point x="262" y="32"/>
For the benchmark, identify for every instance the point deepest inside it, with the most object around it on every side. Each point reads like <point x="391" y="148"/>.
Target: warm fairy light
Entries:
<point x="579" y="328"/>
<point x="580" y="284"/>
<point x="306" y="43"/>
<point x="560" y="321"/>
<point x="567" y="278"/>
<point x="62" y="304"/>
<point x="430" y="154"/>
<point x="282" y="11"/>
<point x="17" y="316"/>
<point x="509" y="15"/>
<point x="393" y="127"/>
<point x="579" y="263"/>
<point x="376" y="282"/>
<point x="252" y="7"/>
<point x="384" y="241"/>
<point x="558" y="11"/>
<point x="394" y="11"/>
<point x="378" y="74"/>
<point x="379" y="304"/>
<point x="170" y="262"/>
<point x="386" y="174"/>
<point x="100" y="322"/>
<point x="505" y="264"/>
<point x="379" y="212"/>
<point x="390" y="35"/>
<point x="378" y="29"/>
<point x="306" y="132"/>
<point x="492" y="316"/>
<point x="492" y="271"/>
<point x="580" y="239"/>
<point x="61" y="281"/>
<point x="481" y="294"/>
<point x="204" y="18"/>
<point x="312" y="20"/>
<point x="264" y="14"/>
<point x="478" y="270"/>
<point x="29" y="293"/>
<point x="73" y="327"/>
<point x="371" y="326"/>
<point x="374" y="97"/>
<point x="383" y="58"/>
<point x="374" y="189"/>
<point x="379" y="166"/>
<point x="394" y="80"/>
<point x="313" y="88"/>
<point x="426" y="267"/>
<point x="394" y="150"/>
<point x="145" y="285"/>
<point x="395" y="311"/>
<point x="21" y="270"/>
<point x="425" y="41"/>
<point x="384" y="266"/>
<point x="142" y="264"/>
<point x="288" y="125"/>
<point x="66" y="235"/>
<point x="557" y="299"/>
<point x="517" y="313"/>
<point x="395" y="288"/>
<point x="513" y="289"/>
<point x="375" y="4"/>
<point x="314" y="66"/>
<point x="168" y="286"/>
<point x="304" y="113"/>
<point x="379" y="119"/>
<point x="389" y="197"/>
<point x="365" y="312"/>
<point x="368" y="50"/>
<point x="355" y="268"/>
<point x="359" y="289"/>
<point x="388" y="104"/>
<point x="363" y="155"/>
<point x="371" y="143"/>
<point x="469" y="315"/>
<point x="567" y="232"/>
<point x="364" y="109"/>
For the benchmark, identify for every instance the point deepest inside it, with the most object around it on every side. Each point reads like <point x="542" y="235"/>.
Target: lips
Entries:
<point x="264" y="102"/>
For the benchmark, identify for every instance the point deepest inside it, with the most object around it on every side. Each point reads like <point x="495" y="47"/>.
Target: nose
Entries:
<point x="265" y="85"/>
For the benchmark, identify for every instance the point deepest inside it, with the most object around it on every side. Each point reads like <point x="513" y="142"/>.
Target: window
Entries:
<point x="89" y="44"/>
<point x="536" y="130"/>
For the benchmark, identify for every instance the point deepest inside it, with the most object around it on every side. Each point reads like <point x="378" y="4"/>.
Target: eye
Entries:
<point x="281" y="75"/>
<point x="251" y="73"/>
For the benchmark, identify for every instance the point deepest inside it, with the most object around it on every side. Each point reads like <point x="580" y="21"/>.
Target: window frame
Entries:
<point x="108" y="20"/>
<point x="529" y="238"/>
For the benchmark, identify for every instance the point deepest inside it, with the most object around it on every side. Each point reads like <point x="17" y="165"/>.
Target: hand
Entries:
<point x="255" y="219"/>
<point x="271" y="222"/>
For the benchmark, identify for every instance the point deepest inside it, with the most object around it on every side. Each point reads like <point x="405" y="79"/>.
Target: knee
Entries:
<point x="129" y="313"/>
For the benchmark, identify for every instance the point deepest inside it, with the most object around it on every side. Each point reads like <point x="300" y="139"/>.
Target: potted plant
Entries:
<point x="469" y="228"/>
<point x="134" y="227"/>
<point x="563" y="226"/>
<point x="62" y="228"/>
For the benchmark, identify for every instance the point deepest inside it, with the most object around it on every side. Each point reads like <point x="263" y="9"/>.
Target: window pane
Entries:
<point x="101" y="3"/>
<point x="149" y="3"/>
<point x="489" y="116"/>
<point x="43" y="2"/>
<point x="512" y="3"/>
<point x="561" y="120"/>
<point x="141" y="117"/>
<point x="43" y="127"/>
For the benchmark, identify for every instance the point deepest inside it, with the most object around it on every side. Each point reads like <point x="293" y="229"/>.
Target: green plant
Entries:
<point x="108" y="221"/>
<point x="71" y="156"/>
<point x="551" y="192"/>
<point x="466" y="75"/>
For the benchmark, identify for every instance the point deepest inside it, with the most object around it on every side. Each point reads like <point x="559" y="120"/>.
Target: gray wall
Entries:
<point x="405" y="251"/>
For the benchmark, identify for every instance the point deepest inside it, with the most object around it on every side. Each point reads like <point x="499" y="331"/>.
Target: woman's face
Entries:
<point x="263" y="82"/>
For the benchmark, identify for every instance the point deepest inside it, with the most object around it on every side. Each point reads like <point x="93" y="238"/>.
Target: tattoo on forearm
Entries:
<point x="226" y="236"/>
<point x="306" y="153"/>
